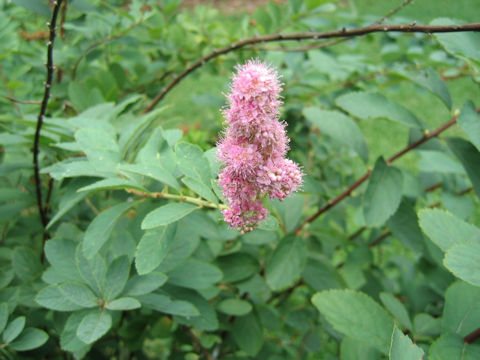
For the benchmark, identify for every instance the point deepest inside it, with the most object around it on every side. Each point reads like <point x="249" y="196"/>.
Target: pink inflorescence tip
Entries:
<point x="254" y="146"/>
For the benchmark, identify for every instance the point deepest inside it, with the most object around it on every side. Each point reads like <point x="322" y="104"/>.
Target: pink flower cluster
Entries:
<point x="254" y="146"/>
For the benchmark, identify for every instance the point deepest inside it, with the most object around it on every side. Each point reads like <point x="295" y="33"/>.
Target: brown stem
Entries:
<point x="360" y="181"/>
<point x="343" y="33"/>
<point x="474" y="335"/>
<point x="379" y="239"/>
<point x="12" y="99"/>
<point x="43" y="109"/>
<point x="196" y="344"/>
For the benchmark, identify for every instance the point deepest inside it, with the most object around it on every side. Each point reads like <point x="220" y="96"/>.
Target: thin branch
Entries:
<point x="12" y="99"/>
<point x="196" y="343"/>
<point x="337" y="41"/>
<point x="43" y="109"/>
<point x="360" y="181"/>
<point x="474" y="335"/>
<point x="181" y="198"/>
<point x="343" y="33"/>
<point x="379" y="239"/>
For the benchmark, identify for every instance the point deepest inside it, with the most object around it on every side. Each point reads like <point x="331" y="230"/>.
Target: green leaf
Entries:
<point x="402" y="347"/>
<point x="238" y="266"/>
<point x="426" y="325"/>
<point x="156" y="172"/>
<point x="200" y="188"/>
<point x="438" y="162"/>
<point x="464" y="262"/>
<point x="356" y="315"/>
<point x="3" y="316"/>
<point x="125" y="303"/>
<point x="248" y="334"/>
<point x="290" y="211"/>
<point x="60" y="254"/>
<point x="93" y="326"/>
<point x="234" y="307"/>
<point x="446" y="230"/>
<point x="462" y="44"/>
<point x="68" y="338"/>
<point x="469" y="156"/>
<point x="100" y="146"/>
<point x="30" y="339"/>
<point x="353" y="349"/>
<point x="79" y="294"/>
<point x="13" y="329"/>
<point x="153" y="248"/>
<point x="339" y="127"/>
<point x="26" y="264"/>
<point x="452" y="346"/>
<point x="91" y="270"/>
<point x="116" y="277"/>
<point x="99" y="230"/>
<point x="469" y="121"/>
<point x="112" y="184"/>
<point x="166" y="305"/>
<point x="195" y="274"/>
<point x="404" y="226"/>
<point x="192" y="162"/>
<point x="371" y="106"/>
<point x="35" y="6"/>
<point x="74" y="168"/>
<point x="167" y="214"/>
<point x="321" y="275"/>
<point x="383" y="194"/>
<point x="50" y="297"/>
<point x="397" y="309"/>
<point x="144" y="284"/>
<point x="286" y="264"/>
<point x="461" y="313"/>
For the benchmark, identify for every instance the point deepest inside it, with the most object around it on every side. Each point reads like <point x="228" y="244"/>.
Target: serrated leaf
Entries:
<point x="464" y="262"/>
<point x="383" y="194"/>
<point x="469" y="121"/>
<point x="397" y="309"/>
<point x="286" y="263"/>
<point x="339" y="127"/>
<point x="370" y="106"/>
<point x="446" y="230"/>
<point x="30" y="338"/>
<point x="93" y="326"/>
<point x="116" y="277"/>
<point x="356" y="315"/>
<point x="125" y="303"/>
<point x="13" y="329"/>
<point x="402" y="347"/>
<point x="99" y="230"/>
<point x="167" y="214"/>
<point x="153" y="248"/>
<point x="452" y="346"/>
<point x="461" y="312"/>
<point x="195" y="274"/>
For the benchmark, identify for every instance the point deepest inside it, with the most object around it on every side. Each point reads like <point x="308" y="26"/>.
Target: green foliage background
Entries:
<point x="136" y="261"/>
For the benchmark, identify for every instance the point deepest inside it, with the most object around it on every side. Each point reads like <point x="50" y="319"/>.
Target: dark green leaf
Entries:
<point x="153" y="248"/>
<point x="116" y="277"/>
<point x="94" y="325"/>
<point x="469" y="157"/>
<point x="235" y="307"/>
<point x="238" y="266"/>
<point x="166" y="305"/>
<point x="397" y="309"/>
<point x="469" y="121"/>
<point x="144" y="284"/>
<point x="13" y="329"/>
<point x="30" y="338"/>
<point x="167" y="214"/>
<point x="248" y="334"/>
<point x="51" y="298"/>
<point x="26" y="264"/>
<point x="195" y="274"/>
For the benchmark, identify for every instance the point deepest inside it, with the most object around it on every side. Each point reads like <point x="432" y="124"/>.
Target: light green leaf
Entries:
<point x="116" y="277"/>
<point x="156" y="172"/>
<point x="153" y="248"/>
<point x="426" y="325"/>
<point x="461" y="312"/>
<point x="469" y="157"/>
<point x="464" y="262"/>
<point x="383" y="194"/>
<point x="356" y="315"/>
<point x="99" y="230"/>
<point x="452" y="346"/>
<point x="200" y="188"/>
<point x="397" y="309"/>
<point x="438" y="162"/>
<point x="144" y="284"/>
<point x="402" y="347"/>
<point x="340" y="127"/>
<point x="446" y="230"/>
<point x="167" y="214"/>
<point x="100" y="146"/>
<point x="234" y="307"/>
<point x="74" y="168"/>
<point x="125" y="303"/>
<point x="50" y="297"/>
<point x="93" y="326"/>
<point x="26" y="264"/>
<point x="112" y="184"/>
<point x="469" y="121"/>
<point x="462" y="44"/>
<point x="163" y="303"/>
<point x="30" y="338"/>
<point x="68" y="338"/>
<point x="79" y="294"/>
<point x="248" y="334"/>
<point x="192" y="162"/>
<point x="13" y="329"/>
<point x="286" y="263"/>
<point x="195" y="274"/>
<point x="370" y="106"/>
<point x="353" y="349"/>
<point x="60" y="254"/>
<point x="91" y="270"/>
